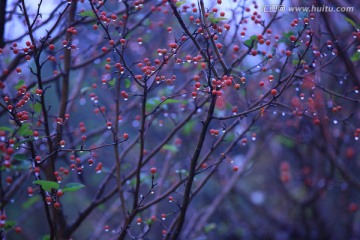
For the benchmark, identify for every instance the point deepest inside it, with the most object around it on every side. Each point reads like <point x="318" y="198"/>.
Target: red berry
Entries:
<point x="353" y="207"/>
<point x="18" y="229"/>
<point x="153" y="170"/>
<point x="57" y="205"/>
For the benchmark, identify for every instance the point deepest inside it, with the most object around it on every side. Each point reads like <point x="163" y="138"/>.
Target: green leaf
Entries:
<point x="216" y="20"/>
<point x="248" y="43"/>
<point x="87" y="13"/>
<point x="209" y="227"/>
<point x="295" y="62"/>
<point x="9" y="224"/>
<point x="286" y="36"/>
<point x="251" y="42"/>
<point x="37" y="107"/>
<point x="25" y="130"/>
<point x="17" y="144"/>
<point x="72" y="187"/>
<point x="19" y="84"/>
<point x="179" y="3"/>
<point x="352" y="23"/>
<point x="47" y="185"/>
<point x="30" y="202"/>
<point x="355" y="57"/>
<point x="7" y="129"/>
<point x="285" y="141"/>
<point x="127" y="82"/>
<point x="112" y="82"/>
<point x="174" y="101"/>
<point x="20" y="157"/>
<point x="171" y="148"/>
<point x="151" y="103"/>
<point x="189" y="127"/>
<point x="84" y="90"/>
<point x="46" y="237"/>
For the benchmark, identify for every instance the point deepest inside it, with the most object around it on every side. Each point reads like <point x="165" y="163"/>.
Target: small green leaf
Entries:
<point x="20" y="157"/>
<point x="251" y="42"/>
<point x="19" y="84"/>
<point x="179" y="3"/>
<point x="84" y="90"/>
<point x="17" y="144"/>
<point x="151" y="103"/>
<point x="37" y="107"/>
<point x="171" y="148"/>
<point x="47" y="185"/>
<point x="31" y="201"/>
<point x="9" y="224"/>
<point x="248" y="43"/>
<point x="112" y="82"/>
<point x="72" y="187"/>
<point x="286" y="36"/>
<point x="7" y="129"/>
<point x="174" y="101"/>
<point x="216" y="20"/>
<point x="295" y="62"/>
<point x="149" y="221"/>
<point x="209" y="227"/>
<point x="352" y="23"/>
<point x="287" y="142"/>
<point x="46" y="237"/>
<point x="253" y="37"/>
<point x="127" y="82"/>
<point x="88" y="13"/>
<point x="25" y="130"/>
<point x="189" y="127"/>
<point x="355" y="57"/>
